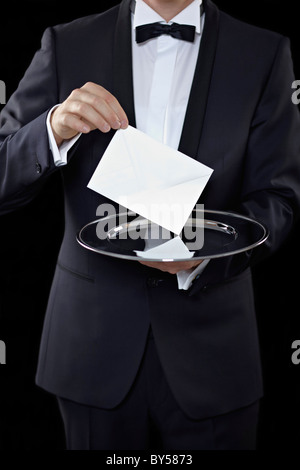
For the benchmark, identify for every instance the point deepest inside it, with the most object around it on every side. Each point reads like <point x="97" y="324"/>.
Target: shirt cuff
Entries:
<point x="60" y="155"/>
<point x="185" y="278"/>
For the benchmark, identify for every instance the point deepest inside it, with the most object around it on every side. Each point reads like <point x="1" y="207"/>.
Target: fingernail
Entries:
<point x="106" y="128"/>
<point x="124" y="124"/>
<point x="117" y="125"/>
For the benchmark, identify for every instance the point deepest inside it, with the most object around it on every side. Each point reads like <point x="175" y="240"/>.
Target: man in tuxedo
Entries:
<point x="156" y="355"/>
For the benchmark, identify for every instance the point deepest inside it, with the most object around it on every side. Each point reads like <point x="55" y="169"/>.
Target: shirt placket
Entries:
<point x="160" y="88"/>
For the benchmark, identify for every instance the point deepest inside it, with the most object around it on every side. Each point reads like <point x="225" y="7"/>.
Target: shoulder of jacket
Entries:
<point x="248" y="32"/>
<point x="104" y="20"/>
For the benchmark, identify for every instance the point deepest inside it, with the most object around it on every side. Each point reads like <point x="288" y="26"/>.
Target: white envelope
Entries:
<point x="150" y="178"/>
<point x="173" y="249"/>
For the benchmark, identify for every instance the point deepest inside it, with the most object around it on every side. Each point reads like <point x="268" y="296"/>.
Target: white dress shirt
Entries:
<point x="163" y="71"/>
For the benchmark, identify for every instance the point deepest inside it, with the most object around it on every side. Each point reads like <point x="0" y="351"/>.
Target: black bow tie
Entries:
<point x="153" y="30"/>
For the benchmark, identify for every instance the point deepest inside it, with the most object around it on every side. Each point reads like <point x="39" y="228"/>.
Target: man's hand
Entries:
<point x="172" y="267"/>
<point x="87" y="108"/>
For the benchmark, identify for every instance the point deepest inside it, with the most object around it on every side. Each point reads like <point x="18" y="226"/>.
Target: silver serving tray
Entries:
<point x="206" y="234"/>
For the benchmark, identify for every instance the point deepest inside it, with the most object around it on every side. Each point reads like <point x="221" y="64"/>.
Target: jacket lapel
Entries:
<point x="192" y="128"/>
<point x="123" y="77"/>
<point x="122" y="62"/>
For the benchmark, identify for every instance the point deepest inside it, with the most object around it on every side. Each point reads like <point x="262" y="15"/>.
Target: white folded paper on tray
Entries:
<point x="150" y="178"/>
<point x="173" y="249"/>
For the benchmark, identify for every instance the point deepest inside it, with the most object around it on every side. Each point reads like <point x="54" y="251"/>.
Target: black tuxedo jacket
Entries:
<point x="241" y="122"/>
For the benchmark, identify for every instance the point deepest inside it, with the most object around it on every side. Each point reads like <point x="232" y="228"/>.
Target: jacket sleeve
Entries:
<point x="25" y="156"/>
<point x="271" y="175"/>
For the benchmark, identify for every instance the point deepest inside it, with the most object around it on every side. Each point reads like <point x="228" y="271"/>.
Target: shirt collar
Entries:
<point x="190" y="15"/>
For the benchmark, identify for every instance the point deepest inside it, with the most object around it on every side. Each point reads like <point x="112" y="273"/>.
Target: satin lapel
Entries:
<point x="122" y="62"/>
<point x="192" y="128"/>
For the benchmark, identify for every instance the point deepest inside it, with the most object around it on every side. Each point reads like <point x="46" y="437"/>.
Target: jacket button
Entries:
<point x="153" y="282"/>
<point x="38" y="168"/>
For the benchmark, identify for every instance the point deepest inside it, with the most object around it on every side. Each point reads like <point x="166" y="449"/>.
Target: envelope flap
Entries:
<point x="150" y="178"/>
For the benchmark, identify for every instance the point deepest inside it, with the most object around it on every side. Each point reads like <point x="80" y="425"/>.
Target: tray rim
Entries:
<point x="264" y="237"/>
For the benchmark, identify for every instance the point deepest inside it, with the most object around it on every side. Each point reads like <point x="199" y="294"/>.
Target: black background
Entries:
<point x="30" y="238"/>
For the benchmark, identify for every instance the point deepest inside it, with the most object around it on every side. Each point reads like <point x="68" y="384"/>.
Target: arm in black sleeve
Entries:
<point x="25" y="156"/>
<point x="271" y="175"/>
